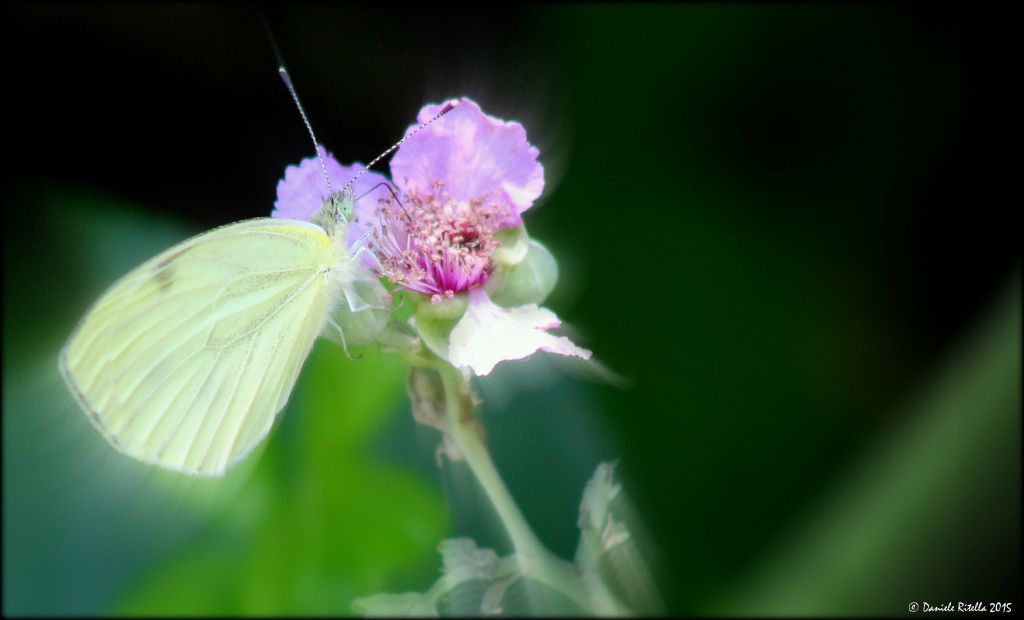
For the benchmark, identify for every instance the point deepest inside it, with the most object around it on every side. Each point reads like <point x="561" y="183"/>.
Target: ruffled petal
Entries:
<point x="474" y="155"/>
<point x="303" y="189"/>
<point x="487" y="334"/>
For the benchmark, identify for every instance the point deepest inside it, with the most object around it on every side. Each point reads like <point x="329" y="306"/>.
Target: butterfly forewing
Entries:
<point x="186" y="361"/>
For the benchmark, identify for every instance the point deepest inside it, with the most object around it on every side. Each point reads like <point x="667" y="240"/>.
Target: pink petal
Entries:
<point x="475" y="155"/>
<point x="487" y="334"/>
<point x="303" y="189"/>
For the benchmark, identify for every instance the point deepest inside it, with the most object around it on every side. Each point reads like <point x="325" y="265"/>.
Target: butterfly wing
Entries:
<point x="186" y="361"/>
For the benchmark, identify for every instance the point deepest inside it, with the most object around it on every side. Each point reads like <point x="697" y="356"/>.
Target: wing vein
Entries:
<point x="254" y="337"/>
<point x="186" y="410"/>
<point x="295" y="341"/>
<point x="227" y="408"/>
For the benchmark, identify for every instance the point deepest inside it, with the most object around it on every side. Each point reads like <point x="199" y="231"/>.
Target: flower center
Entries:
<point x="435" y="245"/>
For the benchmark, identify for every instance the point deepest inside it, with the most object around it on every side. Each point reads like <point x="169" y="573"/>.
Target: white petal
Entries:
<point x="487" y="334"/>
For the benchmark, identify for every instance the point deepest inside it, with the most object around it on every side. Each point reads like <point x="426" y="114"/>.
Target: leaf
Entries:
<point x="597" y="498"/>
<point x="463" y="561"/>
<point x="475" y="582"/>
<point x="608" y="554"/>
<point x="402" y="605"/>
<point x="513" y="596"/>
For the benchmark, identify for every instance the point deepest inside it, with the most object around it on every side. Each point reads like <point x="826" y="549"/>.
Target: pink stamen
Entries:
<point x="435" y="245"/>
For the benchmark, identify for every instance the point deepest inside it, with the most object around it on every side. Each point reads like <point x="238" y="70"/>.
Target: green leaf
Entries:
<point x="463" y="561"/>
<point x="476" y="582"/>
<point x="401" y="605"/>
<point x="608" y="554"/>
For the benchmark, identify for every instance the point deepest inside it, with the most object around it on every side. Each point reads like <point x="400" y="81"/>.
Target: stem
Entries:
<point x="466" y="432"/>
<point x="535" y="560"/>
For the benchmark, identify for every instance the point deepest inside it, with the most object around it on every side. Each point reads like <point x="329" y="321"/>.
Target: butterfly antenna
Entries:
<point x="305" y="119"/>
<point x="352" y="182"/>
<point x="283" y="72"/>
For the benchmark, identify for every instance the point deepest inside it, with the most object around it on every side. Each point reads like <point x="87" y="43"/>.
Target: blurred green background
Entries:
<point x="788" y="226"/>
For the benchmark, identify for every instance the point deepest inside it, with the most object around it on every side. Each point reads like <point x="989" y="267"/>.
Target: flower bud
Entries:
<point x="528" y="281"/>
<point x="512" y="248"/>
<point x="435" y="320"/>
<point x="365" y="324"/>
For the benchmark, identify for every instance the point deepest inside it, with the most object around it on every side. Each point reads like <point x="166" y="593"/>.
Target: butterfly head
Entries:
<point x="343" y="205"/>
<point x="336" y="212"/>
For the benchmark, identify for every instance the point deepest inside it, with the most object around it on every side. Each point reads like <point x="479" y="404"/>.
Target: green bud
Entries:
<point x="513" y="246"/>
<point x="434" y="321"/>
<point x="528" y="281"/>
<point x="367" y="323"/>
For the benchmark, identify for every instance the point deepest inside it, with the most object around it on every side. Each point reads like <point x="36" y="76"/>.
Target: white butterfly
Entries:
<point x="186" y="361"/>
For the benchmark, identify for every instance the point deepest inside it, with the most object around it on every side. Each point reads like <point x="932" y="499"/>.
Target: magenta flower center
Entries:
<point x="435" y="245"/>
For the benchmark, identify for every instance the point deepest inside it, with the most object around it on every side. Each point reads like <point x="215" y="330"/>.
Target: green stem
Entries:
<point x="535" y="560"/>
<point x="466" y="431"/>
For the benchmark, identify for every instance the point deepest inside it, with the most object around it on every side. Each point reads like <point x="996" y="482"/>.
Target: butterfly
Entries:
<point x="186" y="361"/>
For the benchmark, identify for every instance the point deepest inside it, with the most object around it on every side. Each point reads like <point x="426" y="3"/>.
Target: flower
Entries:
<point x="463" y="183"/>
<point x="463" y="178"/>
<point x="433" y="244"/>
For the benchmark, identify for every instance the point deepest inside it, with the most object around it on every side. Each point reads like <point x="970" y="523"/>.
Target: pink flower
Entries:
<point x="462" y="178"/>
<point x="460" y="181"/>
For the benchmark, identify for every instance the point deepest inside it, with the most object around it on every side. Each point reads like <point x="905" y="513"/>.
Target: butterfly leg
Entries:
<point x="356" y="302"/>
<point x="341" y="337"/>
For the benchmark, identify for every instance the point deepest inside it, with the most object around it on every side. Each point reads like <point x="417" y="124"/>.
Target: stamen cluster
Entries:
<point x="434" y="244"/>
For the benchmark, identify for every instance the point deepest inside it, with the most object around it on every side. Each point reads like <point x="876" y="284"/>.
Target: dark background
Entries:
<point x="790" y="226"/>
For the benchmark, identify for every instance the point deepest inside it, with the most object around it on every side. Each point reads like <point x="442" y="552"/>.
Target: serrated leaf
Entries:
<point x="601" y="489"/>
<point x="407" y="604"/>
<point x="476" y="582"/>
<point x="464" y="561"/>
<point x="463" y="599"/>
<point x="510" y="596"/>
<point x="608" y="556"/>
<point x="521" y="597"/>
